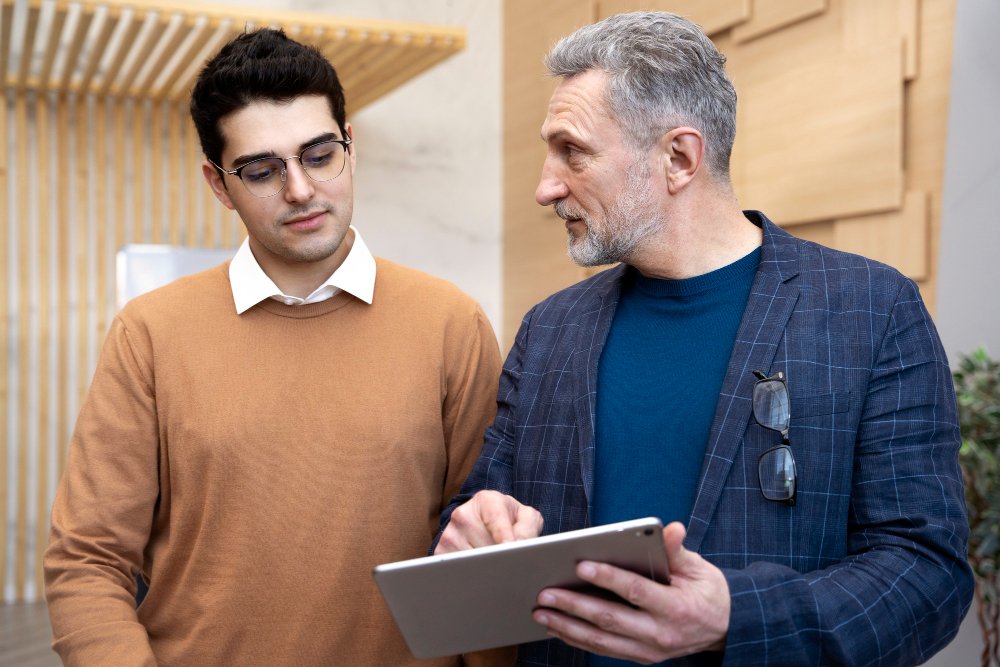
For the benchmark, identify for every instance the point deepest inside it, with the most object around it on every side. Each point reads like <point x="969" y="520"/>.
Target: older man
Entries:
<point x="787" y="407"/>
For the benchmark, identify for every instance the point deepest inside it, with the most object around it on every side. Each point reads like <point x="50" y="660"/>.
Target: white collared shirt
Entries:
<point x="250" y="285"/>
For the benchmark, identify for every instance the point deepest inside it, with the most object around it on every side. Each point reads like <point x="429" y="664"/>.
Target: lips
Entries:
<point x="307" y="221"/>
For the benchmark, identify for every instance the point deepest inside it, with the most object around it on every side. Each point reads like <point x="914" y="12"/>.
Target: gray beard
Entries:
<point x="629" y="221"/>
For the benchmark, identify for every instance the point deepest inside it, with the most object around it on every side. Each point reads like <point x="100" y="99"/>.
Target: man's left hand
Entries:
<point x="689" y="615"/>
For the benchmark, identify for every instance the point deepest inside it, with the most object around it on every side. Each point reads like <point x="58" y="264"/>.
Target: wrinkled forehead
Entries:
<point x="578" y="107"/>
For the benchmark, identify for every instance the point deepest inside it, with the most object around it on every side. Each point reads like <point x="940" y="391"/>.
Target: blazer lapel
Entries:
<point x="771" y="302"/>
<point x="597" y="309"/>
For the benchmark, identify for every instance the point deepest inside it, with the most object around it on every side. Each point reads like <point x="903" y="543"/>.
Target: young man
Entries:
<point x="257" y="437"/>
<point x="787" y="406"/>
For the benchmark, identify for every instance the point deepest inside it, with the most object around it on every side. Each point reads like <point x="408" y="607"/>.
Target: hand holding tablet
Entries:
<point x="484" y="598"/>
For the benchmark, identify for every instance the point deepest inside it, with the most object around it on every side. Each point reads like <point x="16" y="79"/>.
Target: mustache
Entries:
<point x="565" y="212"/>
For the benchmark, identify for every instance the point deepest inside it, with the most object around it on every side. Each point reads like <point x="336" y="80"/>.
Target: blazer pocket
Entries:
<point x="817" y="405"/>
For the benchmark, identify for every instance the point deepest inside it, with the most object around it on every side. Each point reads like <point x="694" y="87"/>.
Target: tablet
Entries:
<point x="483" y="598"/>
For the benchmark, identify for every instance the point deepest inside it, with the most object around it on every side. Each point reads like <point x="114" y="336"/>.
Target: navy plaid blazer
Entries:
<point x="869" y="567"/>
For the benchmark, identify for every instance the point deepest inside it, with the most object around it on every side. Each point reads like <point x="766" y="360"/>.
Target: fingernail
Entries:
<point x="546" y="599"/>
<point x="541" y="618"/>
<point x="587" y="570"/>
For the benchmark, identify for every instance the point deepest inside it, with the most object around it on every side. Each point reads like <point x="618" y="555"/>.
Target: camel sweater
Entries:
<point x="256" y="467"/>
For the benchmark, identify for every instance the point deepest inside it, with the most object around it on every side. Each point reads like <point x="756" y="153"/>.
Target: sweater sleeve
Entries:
<point x="900" y="593"/>
<point x="102" y="514"/>
<point x="469" y="404"/>
<point x="494" y="467"/>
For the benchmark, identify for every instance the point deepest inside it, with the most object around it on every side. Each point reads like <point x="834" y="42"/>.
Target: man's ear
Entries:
<point x="349" y="131"/>
<point x="218" y="185"/>
<point x="683" y="150"/>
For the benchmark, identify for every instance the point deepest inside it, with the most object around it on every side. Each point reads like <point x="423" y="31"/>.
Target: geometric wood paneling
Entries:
<point x="712" y="15"/>
<point x="824" y="138"/>
<point x="926" y="123"/>
<point x="817" y="232"/>
<point x="867" y="22"/>
<point x="897" y="238"/>
<point x="770" y="15"/>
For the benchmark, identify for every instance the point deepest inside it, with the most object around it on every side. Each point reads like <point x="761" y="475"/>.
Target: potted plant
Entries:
<point x="977" y="384"/>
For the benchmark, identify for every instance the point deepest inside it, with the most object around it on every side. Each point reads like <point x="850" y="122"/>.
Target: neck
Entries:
<point x="700" y="234"/>
<point x="302" y="279"/>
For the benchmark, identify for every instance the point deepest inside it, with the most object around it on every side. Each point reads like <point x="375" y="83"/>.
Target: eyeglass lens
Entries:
<point x="777" y="473"/>
<point x="322" y="162"/>
<point x="770" y="404"/>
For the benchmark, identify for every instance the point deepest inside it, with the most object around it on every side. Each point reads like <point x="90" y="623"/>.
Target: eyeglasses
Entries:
<point x="266" y="176"/>
<point x="776" y="468"/>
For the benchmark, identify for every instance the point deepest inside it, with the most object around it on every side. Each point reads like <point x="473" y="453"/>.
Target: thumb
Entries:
<point x="673" y="542"/>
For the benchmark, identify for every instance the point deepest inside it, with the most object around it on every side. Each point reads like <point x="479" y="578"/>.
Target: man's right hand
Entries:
<point x="489" y="518"/>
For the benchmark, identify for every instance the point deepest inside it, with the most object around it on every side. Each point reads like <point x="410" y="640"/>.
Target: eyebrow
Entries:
<point x="560" y="134"/>
<point x="242" y="160"/>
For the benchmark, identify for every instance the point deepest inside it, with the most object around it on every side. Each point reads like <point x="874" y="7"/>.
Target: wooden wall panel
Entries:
<point x="770" y="15"/>
<point x="823" y="233"/>
<point x="898" y="238"/>
<point x="534" y="238"/>
<point x="867" y="22"/>
<point x="926" y="123"/>
<point x="824" y="139"/>
<point x="712" y="15"/>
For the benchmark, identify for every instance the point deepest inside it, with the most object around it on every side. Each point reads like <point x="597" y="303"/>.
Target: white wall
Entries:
<point x="968" y="310"/>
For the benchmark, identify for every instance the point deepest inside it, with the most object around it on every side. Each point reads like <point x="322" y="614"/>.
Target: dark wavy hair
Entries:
<point x="263" y="65"/>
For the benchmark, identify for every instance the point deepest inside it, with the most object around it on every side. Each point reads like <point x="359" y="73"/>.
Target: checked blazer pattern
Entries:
<point x="869" y="567"/>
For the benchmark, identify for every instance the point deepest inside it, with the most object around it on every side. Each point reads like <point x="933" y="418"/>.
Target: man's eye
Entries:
<point x="318" y="158"/>
<point x="256" y="173"/>
<point x="574" y="155"/>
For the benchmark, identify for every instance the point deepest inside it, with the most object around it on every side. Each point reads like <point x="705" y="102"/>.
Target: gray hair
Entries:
<point x="663" y="72"/>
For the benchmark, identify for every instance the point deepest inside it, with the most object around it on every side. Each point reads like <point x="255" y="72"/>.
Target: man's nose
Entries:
<point x="298" y="185"/>
<point x="551" y="188"/>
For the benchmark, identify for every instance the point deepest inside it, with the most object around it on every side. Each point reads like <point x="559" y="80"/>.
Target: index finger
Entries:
<point x="527" y="523"/>
<point x="498" y="513"/>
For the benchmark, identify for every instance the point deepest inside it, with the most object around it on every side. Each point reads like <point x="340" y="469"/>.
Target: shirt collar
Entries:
<point x="250" y="285"/>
